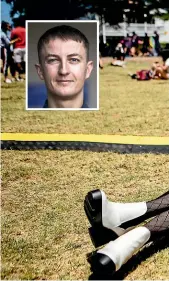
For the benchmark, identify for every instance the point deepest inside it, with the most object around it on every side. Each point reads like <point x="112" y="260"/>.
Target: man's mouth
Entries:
<point x="63" y="81"/>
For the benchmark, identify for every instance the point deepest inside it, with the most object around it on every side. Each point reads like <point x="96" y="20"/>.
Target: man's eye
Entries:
<point x="74" y="60"/>
<point x="54" y="60"/>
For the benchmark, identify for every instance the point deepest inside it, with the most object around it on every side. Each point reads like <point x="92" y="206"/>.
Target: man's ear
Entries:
<point x="89" y="68"/>
<point x="39" y="71"/>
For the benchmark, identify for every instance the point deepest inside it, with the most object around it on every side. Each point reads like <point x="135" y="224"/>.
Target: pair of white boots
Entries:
<point x="107" y="220"/>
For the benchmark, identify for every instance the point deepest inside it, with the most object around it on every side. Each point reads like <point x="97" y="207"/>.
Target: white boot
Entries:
<point x="122" y="249"/>
<point x="100" y="211"/>
<point x="116" y="253"/>
<point x="107" y="217"/>
<point x="115" y="214"/>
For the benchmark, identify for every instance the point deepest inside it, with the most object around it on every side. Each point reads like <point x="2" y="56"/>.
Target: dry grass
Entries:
<point x="44" y="227"/>
<point x="126" y="107"/>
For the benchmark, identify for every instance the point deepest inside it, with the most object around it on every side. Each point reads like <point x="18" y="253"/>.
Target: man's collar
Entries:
<point x="84" y="105"/>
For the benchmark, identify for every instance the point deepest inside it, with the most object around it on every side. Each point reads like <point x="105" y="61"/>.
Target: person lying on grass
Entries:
<point x="158" y="70"/>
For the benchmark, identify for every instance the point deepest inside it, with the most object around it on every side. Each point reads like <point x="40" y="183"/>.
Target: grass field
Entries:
<point x="44" y="227"/>
<point x="126" y="107"/>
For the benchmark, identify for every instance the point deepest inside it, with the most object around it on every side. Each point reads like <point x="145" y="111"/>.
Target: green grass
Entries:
<point x="44" y="227"/>
<point x="126" y="107"/>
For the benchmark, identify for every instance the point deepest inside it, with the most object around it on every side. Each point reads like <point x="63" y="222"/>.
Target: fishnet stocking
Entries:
<point x="158" y="205"/>
<point x="154" y="207"/>
<point x="159" y="225"/>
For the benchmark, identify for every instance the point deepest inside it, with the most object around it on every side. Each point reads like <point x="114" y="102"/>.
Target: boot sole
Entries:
<point x="99" y="234"/>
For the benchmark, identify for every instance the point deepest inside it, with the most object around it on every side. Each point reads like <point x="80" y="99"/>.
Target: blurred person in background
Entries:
<point x="119" y="55"/>
<point x="157" y="46"/>
<point x="19" y="46"/>
<point x="127" y="44"/>
<point x="146" y="45"/>
<point x="158" y="70"/>
<point x="6" y="53"/>
<point x="162" y="70"/>
<point x="134" y="44"/>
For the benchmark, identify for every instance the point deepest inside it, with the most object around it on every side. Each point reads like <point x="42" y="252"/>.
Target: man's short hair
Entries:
<point x="63" y="32"/>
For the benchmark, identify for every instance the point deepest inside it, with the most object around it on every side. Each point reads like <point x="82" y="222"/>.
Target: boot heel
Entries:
<point x="101" y="263"/>
<point x="101" y="235"/>
<point x="93" y="207"/>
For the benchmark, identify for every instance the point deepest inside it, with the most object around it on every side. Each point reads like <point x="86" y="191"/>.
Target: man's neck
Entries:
<point x="57" y="102"/>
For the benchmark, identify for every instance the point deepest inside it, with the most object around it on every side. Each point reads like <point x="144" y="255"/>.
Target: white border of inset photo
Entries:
<point x="92" y="83"/>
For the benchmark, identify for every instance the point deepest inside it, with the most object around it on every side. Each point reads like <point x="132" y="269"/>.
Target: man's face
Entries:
<point x="64" y="67"/>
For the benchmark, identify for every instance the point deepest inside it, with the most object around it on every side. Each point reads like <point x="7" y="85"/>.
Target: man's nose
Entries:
<point x="64" y="68"/>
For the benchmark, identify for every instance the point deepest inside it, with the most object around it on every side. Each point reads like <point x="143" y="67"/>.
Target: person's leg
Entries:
<point x="133" y="76"/>
<point x="12" y="66"/>
<point x="159" y="225"/>
<point x="5" y="62"/>
<point x="2" y="59"/>
<point x="110" y="220"/>
<point x="23" y="61"/>
<point x="18" y="62"/>
<point x="133" y="51"/>
<point x="116" y="253"/>
<point x="100" y="63"/>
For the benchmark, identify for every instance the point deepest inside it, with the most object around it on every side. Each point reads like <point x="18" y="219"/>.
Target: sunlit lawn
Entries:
<point x="44" y="227"/>
<point x="126" y="107"/>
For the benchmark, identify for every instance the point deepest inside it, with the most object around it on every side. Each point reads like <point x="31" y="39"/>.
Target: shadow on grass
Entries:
<point x="132" y="264"/>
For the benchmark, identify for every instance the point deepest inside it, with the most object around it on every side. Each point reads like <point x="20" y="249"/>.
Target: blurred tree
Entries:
<point x="113" y="11"/>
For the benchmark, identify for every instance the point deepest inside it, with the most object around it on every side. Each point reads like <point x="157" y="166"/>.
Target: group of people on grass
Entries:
<point x="147" y="46"/>
<point x="157" y="71"/>
<point x="13" y="50"/>
<point x="133" y="45"/>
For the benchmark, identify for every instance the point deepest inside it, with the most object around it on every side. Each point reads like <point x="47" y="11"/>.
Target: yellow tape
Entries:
<point x="119" y="139"/>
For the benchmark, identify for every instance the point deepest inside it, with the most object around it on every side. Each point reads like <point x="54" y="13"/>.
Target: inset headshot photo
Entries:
<point x="62" y="68"/>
